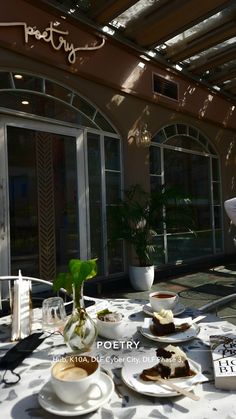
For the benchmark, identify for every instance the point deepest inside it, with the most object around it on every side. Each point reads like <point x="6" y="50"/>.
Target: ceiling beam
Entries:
<point x="230" y="85"/>
<point x="170" y="19"/>
<point x="213" y="60"/>
<point x="232" y="91"/>
<point x="226" y="74"/>
<point x="203" y="40"/>
<point x="104" y="11"/>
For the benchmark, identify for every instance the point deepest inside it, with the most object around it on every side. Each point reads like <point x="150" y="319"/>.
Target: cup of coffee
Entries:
<point x="166" y="300"/>
<point x="75" y="379"/>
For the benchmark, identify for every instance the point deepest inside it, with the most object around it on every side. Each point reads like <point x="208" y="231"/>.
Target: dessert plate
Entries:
<point x="131" y="371"/>
<point x="50" y="402"/>
<point x="183" y="336"/>
<point x="177" y="310"/>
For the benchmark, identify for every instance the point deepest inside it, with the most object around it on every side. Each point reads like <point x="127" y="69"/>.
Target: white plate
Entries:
<point x="179" y="309"/>
<point x="131" y="371"/>
<point x="50" y="402"/>
<point x="188" y="334"/>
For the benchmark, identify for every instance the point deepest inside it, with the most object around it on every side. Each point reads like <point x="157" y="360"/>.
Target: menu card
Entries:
<point x="223" y="349"/>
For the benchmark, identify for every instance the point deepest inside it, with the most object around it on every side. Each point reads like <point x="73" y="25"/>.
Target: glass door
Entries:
<point x="42" y="189"/>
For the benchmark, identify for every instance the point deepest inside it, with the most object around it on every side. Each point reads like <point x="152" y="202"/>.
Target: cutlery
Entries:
<point x="198" y="319"/>
<point x="174" y="387"/>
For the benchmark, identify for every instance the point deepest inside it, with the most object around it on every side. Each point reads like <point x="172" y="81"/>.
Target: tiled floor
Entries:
<point x="194" y="290"/>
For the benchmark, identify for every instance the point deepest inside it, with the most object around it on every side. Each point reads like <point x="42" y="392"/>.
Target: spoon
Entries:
<point x="173" y="387"/>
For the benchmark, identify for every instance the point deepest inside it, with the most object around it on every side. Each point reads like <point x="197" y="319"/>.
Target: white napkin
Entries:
<point x="131" y="375"/>
<point x="21" y="311"/>
<point x="155" y="387"/>
<point x="215" y="328"/>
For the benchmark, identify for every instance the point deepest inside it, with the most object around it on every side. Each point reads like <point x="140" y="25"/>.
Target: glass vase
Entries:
<point x="80" y="331"/>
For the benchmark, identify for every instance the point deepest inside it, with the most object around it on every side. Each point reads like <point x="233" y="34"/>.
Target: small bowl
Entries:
<point x="166" y="300"/>
<point x="110" y="330"/>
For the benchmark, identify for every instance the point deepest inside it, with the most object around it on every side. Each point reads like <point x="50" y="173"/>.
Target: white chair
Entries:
<point x="7" y="281"/>
<point x="214" y="305"/>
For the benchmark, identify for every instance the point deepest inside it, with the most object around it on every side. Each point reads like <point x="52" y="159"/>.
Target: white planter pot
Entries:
<point x="141" y="277"/>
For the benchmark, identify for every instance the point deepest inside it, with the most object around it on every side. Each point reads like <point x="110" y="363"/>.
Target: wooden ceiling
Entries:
<point x="196" y="37"/>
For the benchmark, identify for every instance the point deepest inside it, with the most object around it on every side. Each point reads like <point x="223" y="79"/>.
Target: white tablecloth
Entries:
<point x="21" y="400"/>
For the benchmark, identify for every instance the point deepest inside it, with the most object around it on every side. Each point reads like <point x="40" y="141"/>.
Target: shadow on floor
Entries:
<point x="214" y="289"/>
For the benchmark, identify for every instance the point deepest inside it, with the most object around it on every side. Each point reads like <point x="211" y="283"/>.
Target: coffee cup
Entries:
<point x="74" y="379"/>
<point x="166" y="300"/>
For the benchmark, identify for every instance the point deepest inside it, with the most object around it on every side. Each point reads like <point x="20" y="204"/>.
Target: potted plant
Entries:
<point x="138" y="219"/>
<point x="80" y="330"/>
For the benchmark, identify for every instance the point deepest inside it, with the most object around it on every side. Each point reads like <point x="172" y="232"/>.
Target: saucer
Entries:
<point x="51" y="403"/>
<point x="176" y="337"/>
<point x="130" y="375"/>
<point x="177" y="310"/>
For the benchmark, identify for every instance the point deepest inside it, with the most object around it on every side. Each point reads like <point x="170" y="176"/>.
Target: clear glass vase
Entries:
<point x="80" y="331"/>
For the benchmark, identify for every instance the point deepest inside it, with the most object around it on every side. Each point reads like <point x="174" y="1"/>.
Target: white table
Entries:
<point x="21" y="400"/>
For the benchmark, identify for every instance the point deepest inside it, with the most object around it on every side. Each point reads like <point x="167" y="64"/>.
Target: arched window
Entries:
<point x="84" y="160"/>
<point x="181" y="155"/>
<point x="45" y="98"/>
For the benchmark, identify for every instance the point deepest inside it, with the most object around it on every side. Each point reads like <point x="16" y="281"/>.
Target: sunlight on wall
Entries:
<point x="230" y="150"/>
<point x="202" y="111"/>
<point x="116" y="100"/>
<point x="229" y="114"/>
<point x="189" y="91"/>
<point x="133" y="77"/>
<point x="140" y="121"/>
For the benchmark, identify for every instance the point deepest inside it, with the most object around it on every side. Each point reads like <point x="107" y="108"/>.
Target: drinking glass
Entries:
<point x="53" y="314"/>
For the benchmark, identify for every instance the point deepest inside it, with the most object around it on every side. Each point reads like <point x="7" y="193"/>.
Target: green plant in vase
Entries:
<point x="80" y="330"/>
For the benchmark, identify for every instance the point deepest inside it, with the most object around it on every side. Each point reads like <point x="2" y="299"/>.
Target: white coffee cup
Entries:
<point x="75" y="379"/>
<point x="166" y="300"/>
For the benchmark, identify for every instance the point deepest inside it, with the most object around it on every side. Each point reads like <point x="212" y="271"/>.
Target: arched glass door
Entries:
<point x="41" y="212"/>
<point x="67" y="146"/>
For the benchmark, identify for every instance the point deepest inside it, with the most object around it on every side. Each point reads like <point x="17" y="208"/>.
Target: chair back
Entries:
<point x="16" y="292"/>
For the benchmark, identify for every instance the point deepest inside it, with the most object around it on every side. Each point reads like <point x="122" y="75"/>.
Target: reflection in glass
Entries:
<point x="112" y="153"/>
<point x="28" y="82"/>
<point x="155" y="161"/>
<point x="170" y="131"/>
<point x="216" y="193"/>
<point x="186" y="246"/>
<point x="215" y="169"/>
<point x="95" y="199"/>
<point x="23" y="201"/>
<point x="58" y="91"/>
<point x="5" y="80"/>
<point x="181" y="142"/>
<point x="24" y="195"/>
<point x="159" y="137"/>
<point x="191" y="174"/>
<point x="43" y="106"/>
<point x="112" y="187"/>
<point x="103" y="123"/>
<point x="155" y="183"/>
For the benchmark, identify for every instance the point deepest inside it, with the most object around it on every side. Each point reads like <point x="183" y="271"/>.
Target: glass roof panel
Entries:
<point x="133" y="12"/>
<point x="194" y="30"/>
<point x="216" y="49"/>
<point x="227" y="65"/>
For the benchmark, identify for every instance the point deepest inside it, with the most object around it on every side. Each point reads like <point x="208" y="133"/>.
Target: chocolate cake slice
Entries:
<point x="173" y="363"/>
<point x="163" y="323"/>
